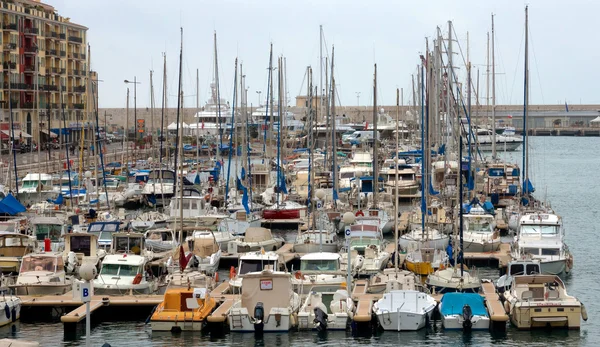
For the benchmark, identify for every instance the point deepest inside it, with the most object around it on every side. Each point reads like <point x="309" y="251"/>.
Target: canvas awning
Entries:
<point x="45" y="131"/>
<point x="595" y="120"/>
<point x="18" y="133"/>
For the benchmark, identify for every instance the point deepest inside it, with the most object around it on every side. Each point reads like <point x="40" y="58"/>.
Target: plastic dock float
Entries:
<point x="78" y="314"/>
<point x="495" y="309"/>
<point x="220" y="314"/>
<point x="364" y="310"/>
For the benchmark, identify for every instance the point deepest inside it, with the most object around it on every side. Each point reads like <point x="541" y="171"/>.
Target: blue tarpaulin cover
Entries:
<point x="11" y="206"/>
<point x="452" y="303"/>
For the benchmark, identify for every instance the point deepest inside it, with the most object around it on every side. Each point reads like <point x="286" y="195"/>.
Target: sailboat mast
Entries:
<point x="197" y="121"/>
<point x="179" y="148"/>
<point x="232" y="129"/>
<point x="526" y="105"/>
<point x="151" y="110"/>
<point x="266" y="125"/>
<point x="279" y="178"/>
<point x="396" y="181"/>
<point x="333" y="133"/>
<point x="218" y="101"/>
<point x="375" y="141"/>
<point x="493" y="94"/>
<point x="162" y="112"/>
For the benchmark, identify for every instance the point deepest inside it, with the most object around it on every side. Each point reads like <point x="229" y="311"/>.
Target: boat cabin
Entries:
<point x="82" y="244"/>
<point x="52" y="228"/>
<point x="13" y="246"/>
<point x="320" y="262"/>
<point x="257" y="261"/>
<point x="128" y="243"/>
<point x="47" y="262"/>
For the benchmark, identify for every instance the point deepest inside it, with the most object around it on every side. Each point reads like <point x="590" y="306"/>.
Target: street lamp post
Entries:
<point x="135" y="83"/>
<point x="348" y="218"/>
<point x="357" y="98"/>
<point x="258" y="92"/>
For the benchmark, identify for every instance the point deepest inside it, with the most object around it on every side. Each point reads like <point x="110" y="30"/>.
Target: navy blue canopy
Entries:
<point x="11" y="206"/>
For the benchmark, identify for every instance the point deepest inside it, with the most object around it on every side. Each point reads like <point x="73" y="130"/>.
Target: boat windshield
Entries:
<point x="479" y="227"/>
<point x="9" y="241"/>
<point x="81" y="244"/>
<point x="51" y="231"/>
<point x="29" y="184"/>
<point x="119" y="270"/>
<point x="548" y="230"/>
<point x="364" y="242"/>
<point x="319" y="265"/>
<point x="38" y="264"/>
<point x="255" y="265"/>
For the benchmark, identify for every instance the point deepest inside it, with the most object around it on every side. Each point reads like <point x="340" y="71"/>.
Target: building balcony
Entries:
<point x="11" y="26"/>
<point x="80" y="89"/>
<point x="82" y="56"/>
<point x="27" y="105"/>
<point x="76" y="55"/>
<point x="10" y="46"/>
<point x="76" y="72"/>
<point x="8" y="65"/>
<point x="50" y="52"/>
<point x="75" y="39"/>
<point x="63" y="88"/>
<point x="53" y="34"/>
<point x="79" y="106"/>
<point x="62" y="71"/>
<point x="31" y="31"/>
<point x="29" y="68"/>
<point x="49" y="87"/>
<point x="31" y="50"/>
<point x="62" y="36"/>
<point x="63" y="53"/>
<point x="53" y="70"/>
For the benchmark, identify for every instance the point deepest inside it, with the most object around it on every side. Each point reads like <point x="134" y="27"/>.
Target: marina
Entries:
<point x="445" y="218"/>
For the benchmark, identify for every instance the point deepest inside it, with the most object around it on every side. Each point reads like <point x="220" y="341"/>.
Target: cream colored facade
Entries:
<point x="34" y="32"/>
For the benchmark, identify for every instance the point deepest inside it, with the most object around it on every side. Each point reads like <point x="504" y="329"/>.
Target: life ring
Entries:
<point x="231" y="272"/>
<point x="298" y="275"/>
<point x="496" y="181"/>
<point x="137" y="279"/>
<point x="359" y="213"/>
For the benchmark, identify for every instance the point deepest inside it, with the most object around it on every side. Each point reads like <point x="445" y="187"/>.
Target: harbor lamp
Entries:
<point x="135" y="82"/>
<point x="348" y="218"/>
<point x="320" y="194"/>
<point x="88" y="272"/>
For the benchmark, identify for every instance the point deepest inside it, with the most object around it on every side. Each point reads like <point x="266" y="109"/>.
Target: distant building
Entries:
<point x="34" y="32"/>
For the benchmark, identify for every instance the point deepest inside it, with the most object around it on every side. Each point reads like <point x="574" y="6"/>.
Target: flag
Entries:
<point x="183" y="260"/>
<point x="245" y="200"/>
<point x="243" y="173"/>
<point x="566" y="107"/>
<point x="203" y="124"/>
<point x="509" y="116"/>
<point x="366" y="125"/>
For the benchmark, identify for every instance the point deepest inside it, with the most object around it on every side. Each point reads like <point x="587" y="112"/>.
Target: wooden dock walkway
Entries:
<point x="502" y="256"/>
<point x="495" y="309"/>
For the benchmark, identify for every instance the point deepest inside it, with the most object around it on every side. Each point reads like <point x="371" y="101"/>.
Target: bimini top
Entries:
<point x="452" y="303"/>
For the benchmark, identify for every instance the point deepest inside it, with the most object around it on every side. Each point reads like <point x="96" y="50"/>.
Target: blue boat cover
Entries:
<point x="452" y="303"/>
<point x="11" y="206"/>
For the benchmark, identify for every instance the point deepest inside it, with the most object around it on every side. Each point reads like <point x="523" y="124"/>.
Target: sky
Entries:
<point x="128" y="38"/>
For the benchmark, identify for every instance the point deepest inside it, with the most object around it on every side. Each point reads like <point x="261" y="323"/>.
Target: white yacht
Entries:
<point x="256" y="239"/>
<point x="36" y="187"/>
<point x="541" y="236"/>
<point x="315" y="315"/>
<point x="367" y="250"/>
<point x="319" y="272"/>
<point x="252" y="262"/>
<point x="503" y="142"/>
<point x="212" y="119"/>
<point x="404" y="310"/>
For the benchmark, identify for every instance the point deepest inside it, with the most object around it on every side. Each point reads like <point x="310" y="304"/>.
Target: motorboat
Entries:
<point x="127" y="270"/>
<point x="160" y="186"/>
<point x="541" y="236"/>
<point x="315" y="315"/>
<point x="284" y="212"/>
<point x="81" y="248"/>
<point x="541" y="301"/>
<point x="268" y="303"/>
<point x="402" y="279"/>
<point x="239" y="222"/>
<point x="222" y="237"/>
<point x="407" y="184"/>
<point x="464" y="311"/>
<point x="149" y="220"/>
<point x="485" y="141"/>
<point x="479" y="234"/>
<point x="42" y="274"/>
<point x="404" y="310"/>
<point x="13" y="246"/>
<point x="256" y="239"/>
<point x="182" y="309"/>
<point x="319" y="272"/>
<point x="367" y="250"/>
<point x="323" y="238"/>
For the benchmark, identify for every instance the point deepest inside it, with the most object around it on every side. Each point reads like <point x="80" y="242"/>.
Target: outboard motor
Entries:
<point x="467" y="315"/>
<point x="259" y="317"/>
<point x="320" y="320"/>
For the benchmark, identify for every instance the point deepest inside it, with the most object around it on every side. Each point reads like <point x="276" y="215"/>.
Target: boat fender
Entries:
<point x="359" y="213"/>
<point x="137" y="279"/>
<point x="584" y="314"/>
<point x="298" y="275"/>
<point x="14" y="314"/>
<point x="7" y="311"/>
<point x="231" y="272"/>
<point x="216" y="277"/>
<point x="507" y="307"/>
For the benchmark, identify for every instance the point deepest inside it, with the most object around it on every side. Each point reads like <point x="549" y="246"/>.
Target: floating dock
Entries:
<point x="502" y="257"/>
<point x="498" y="316"/>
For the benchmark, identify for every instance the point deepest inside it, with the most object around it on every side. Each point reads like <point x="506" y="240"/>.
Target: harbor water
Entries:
<point x="564" y="171"/>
